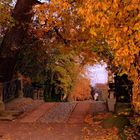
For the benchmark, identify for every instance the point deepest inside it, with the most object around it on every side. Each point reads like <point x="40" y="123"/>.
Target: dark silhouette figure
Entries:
<point x="96" y="94"/>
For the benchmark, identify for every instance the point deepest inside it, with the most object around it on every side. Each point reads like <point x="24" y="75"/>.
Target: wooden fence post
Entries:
<point x="2" y="105"/>
<point x="20" y="88"/>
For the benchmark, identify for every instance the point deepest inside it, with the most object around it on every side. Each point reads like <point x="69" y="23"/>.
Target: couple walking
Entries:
<point x="96" y="94"/>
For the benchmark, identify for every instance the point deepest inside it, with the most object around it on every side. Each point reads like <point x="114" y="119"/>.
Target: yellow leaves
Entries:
<point x="125" y="29"/>
<point x="137" y="119"/>
<point x="137" y="26"/>
<point x="105" y="6"/>
<point x="87" y="133"/>
<point x="42" y="20"/>
<point x="104" y="22"/>
<point x="5" y="15"/>
<point x="98" y="5"/>
<point x="65" y="5"/>
<point x="125" y="51"/>
<point x="138" y="15"/>
<point x="133" y="73"/>
<point x="99" y="15"/>
<point x="115" y="4"/>
<point x="92" y="31"/>
<point x="130" y="7"/>
<point x="97" y="132"/>
<point x="79" y="93"/>
<point x="125" y="57"/>
<point x="137" y="108"/>
<point x="51" y="14"/>
<point x="118" y="39"/>
<point x="60" y="3"/>
<point x="83" y="29"/>
<point x="89" y="119"/>
<point x="138" y="35"/>
<point x="115" y="20"/>
<point x="80" y="11"/>
<point x="88" y="21"/>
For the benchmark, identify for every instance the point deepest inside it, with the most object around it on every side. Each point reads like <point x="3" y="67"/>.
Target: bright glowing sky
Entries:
<point x="97" y="74"/>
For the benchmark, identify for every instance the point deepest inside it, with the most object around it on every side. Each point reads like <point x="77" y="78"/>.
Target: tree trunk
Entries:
<point x="13" y="39"/>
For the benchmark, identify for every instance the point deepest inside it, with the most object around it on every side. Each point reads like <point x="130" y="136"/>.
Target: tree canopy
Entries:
<point x="94" y="29"/>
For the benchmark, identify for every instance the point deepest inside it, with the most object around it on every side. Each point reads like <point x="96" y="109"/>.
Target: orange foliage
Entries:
<point x="117" y="22"/>
<point x="81" y="90"/>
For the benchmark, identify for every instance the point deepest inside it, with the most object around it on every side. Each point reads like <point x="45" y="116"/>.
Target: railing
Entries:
<point x="33" y="92"/>
<point x="28" y="91"/>
<point x="10" y="90"/>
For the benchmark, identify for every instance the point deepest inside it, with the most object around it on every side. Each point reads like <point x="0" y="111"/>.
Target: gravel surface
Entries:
<point x="59" y="114"/>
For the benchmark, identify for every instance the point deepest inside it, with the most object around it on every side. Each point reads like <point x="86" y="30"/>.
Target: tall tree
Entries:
<point x="117" y="22"/>
<point x="14" y="38"/>
<point x="80" y="24"/>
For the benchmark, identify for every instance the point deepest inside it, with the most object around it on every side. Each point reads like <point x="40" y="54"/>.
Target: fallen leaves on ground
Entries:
<point x="132" y="132"/>
<point x="7" y="137"/>
<point x="102" y="116"/>
<point x="89" y="119"/>
<point x="50" y="128"/>
<point x="94" y="130"/>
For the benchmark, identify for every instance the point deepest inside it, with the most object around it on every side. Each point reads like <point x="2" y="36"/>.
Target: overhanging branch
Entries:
<point x="66" y="41"/>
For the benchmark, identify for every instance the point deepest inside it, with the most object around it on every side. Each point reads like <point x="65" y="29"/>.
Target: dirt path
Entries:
<point x="57" y="121"/>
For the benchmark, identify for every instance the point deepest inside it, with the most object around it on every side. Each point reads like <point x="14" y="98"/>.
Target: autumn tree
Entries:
<point x="14" y="37"/>
<point x="81" y="89"/>
<point x="32" y="60"/>
<point x="116" y="23"/>
<point x="61" y="73"/>
<point x="94" y="29"/>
